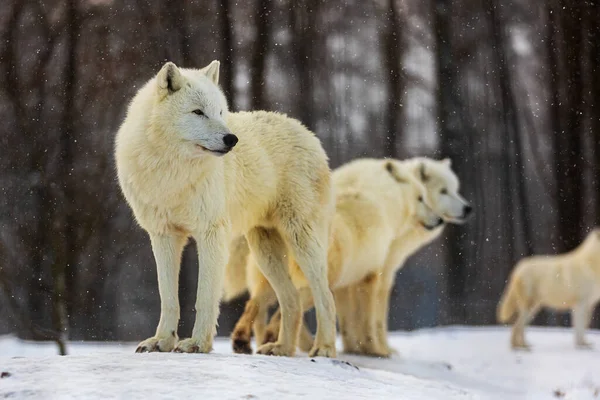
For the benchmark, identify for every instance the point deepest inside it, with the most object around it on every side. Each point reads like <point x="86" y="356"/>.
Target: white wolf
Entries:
<point x="377" y="202"/>
<point x="363" y="308"/>
<point x="562" y="282"/>
<point x="184" y="173"/>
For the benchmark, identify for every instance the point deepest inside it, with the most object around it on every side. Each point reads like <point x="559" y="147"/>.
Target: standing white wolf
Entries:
<point x="562" y="282"/>
<point x="184" y="173"/>
<point x="376" y="202"/>
<point x="363" y="308"/>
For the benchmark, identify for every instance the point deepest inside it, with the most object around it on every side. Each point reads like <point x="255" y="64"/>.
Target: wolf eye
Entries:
<point x="199" y="112"/>
<point x="221" y="112"/>
<point x="444" y="191"/>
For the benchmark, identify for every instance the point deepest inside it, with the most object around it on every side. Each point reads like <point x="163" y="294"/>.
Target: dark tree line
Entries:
<point x="511" y="92"/>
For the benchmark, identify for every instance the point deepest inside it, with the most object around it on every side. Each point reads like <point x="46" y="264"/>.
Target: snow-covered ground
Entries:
<point x="441" y="363"/>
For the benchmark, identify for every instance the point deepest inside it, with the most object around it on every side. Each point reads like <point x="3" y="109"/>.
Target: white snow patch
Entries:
<point x="440" y="363"/>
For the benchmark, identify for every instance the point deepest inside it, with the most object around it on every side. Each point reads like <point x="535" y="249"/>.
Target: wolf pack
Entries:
<point x="269" y="217"/>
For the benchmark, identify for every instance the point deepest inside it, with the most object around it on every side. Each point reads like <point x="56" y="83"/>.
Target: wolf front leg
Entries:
<point x="269" y="250"/>
<point x="309" y="247"/>
<point x="305" y="341"/>
<point x="395" y="260"/>
<point x="167" y="251"/>
<point x="382" y="310"/>
<point x="254" y="316"/>
<point x="367" y="316"/>
<point x="213" y="253"/>
<point x="582" y="315"/>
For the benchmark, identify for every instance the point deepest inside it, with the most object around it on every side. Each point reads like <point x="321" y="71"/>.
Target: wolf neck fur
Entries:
<point x="154" y="156"/>
<point x="588" y="253"/>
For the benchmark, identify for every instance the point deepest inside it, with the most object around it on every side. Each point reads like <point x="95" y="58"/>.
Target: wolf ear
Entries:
<point x="447" y="162"/>
<point x="169" y="79"/>
<point x="212" y="71"/>
<point x="389" y="166"/>
<point x="422" y="173"/>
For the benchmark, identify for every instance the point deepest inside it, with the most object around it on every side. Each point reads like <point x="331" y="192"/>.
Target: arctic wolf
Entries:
<point x="189" y="168"/>
<point x="568" y="281"/>
<point x="377" y="201"/>
<point x="363" y="308"/>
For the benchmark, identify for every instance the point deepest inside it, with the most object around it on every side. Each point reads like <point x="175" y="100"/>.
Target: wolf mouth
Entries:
<point x="219" y="152"/>
<point x="431" y="227"/>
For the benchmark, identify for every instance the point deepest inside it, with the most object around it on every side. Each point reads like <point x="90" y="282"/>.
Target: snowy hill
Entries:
<point x="441" y="363"/>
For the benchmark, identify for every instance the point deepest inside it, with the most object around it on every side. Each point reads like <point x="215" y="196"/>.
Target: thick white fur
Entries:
<point x="181" y="179"/>
<point x="377" y="202"/>
<point x="569" y="281"/>
<point x="363" y="308"/>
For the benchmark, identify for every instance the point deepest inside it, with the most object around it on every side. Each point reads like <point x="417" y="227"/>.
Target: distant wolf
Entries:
<point x="569" y="281"/>
<point x="189" y="168"/>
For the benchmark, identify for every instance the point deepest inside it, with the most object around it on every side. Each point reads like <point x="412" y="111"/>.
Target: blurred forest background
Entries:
<point x="510" y="90"/>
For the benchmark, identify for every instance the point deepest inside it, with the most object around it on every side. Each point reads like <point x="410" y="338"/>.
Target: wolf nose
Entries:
<point x="467" y="210"/>
<point x="230" y="140"/>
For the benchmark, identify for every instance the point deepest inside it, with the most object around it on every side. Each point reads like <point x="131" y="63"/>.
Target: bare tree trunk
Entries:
<point x="20" y="316"/>
<point x="176" y="40"/>
<point x="64" y="241"/>
<point x="261" y="48"/>
<point x="11" y="74"/>
<point x="593" y="15"/>
<point x="227" y="75"/>
<point x="393" y="48"/>
<point x="450" y="132"/>
<point x="567" y="137"/>
<point x="36" y="235"/>
<point x="592" y="29"/>
<point x="302" y="23"/>
<point x="566" y="90"/>
<point x="513" y="136"/>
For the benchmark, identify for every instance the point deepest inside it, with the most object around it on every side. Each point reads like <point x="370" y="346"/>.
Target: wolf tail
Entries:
<point x="235" y="273"/>
<point x="508" y="302"/>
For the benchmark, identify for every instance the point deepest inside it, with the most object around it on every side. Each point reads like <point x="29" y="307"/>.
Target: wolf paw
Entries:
<point x="192" y="345"/>
<point x="521" y="347"/>
<point x="241" y="343"/>
<point x="384" y="350"/>
<point x="583" y="345"/>
<point x="270" y="336"/>
<point x="391" y="351"/>
<point x="322" y="351"/>
<point x="162" y="344"/>
<point x="376" y="352"/>
<point x="275" y="349"/>
<point x="305" y="343"/>
<point x="352" y="349"/>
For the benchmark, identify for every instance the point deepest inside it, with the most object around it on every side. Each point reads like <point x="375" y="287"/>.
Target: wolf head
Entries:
<point x="191" y="109"/>
<point x="442" y="188"/>
<point x="422" y="212"/>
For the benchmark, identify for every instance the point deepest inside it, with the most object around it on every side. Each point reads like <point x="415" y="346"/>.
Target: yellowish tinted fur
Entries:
<point x="363" y="308"/>
<point x="377" y="202"/>
<point x="273" y="187"/>
<point x="569" y="281"/>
